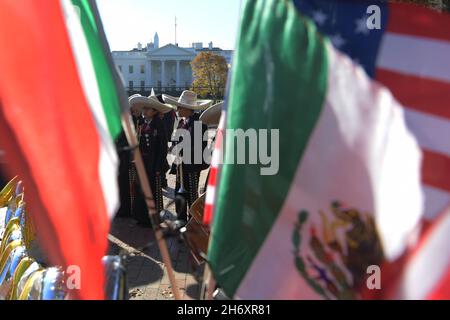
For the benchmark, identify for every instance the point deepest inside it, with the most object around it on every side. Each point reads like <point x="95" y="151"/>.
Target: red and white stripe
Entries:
<point x="427" y="269"/>
<point x="213" y="172"/>
<point x="413" y="63"/>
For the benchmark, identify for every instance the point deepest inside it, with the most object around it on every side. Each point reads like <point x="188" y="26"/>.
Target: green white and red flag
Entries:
<point x="347" y="196"/>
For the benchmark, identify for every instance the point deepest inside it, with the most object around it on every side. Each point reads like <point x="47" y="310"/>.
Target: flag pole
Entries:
<point x="208" y="285"/>
<point x="149" y="200"/>
<point x="211" y="285"/>
<point x="209" y="280"/>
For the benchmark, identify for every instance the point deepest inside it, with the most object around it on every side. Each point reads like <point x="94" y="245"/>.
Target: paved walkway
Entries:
<point x="147" y="276"/>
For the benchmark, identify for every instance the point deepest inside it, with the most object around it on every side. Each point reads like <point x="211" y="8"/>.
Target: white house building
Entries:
<point x="166" y="68"/>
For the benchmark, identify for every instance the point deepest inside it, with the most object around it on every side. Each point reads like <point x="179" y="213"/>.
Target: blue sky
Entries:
<point x="128" y="22"/>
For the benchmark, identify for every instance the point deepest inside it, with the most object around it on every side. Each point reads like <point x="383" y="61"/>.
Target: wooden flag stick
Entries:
<point x="128" y="126"/>
<point x="208" y="284"/>
<point x="211" y="285"/>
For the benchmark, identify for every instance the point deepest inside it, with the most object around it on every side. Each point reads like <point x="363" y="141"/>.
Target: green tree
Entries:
<point x="210" y="75"/>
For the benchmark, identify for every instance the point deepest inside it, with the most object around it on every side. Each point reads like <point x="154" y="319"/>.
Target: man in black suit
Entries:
<point x="127" y="172"/>
<point x="168" y="120"/>
<point x="153" y="145"/>
<point x="187" y="170"/>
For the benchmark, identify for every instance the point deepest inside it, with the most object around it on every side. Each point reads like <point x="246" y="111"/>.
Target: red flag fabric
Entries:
<point x="51" y="138"/>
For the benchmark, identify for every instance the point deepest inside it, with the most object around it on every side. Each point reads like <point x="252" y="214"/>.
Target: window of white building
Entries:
<point x="130" y="69"/>
<point x="142" y="68"/>
<point x="130" y="85"/>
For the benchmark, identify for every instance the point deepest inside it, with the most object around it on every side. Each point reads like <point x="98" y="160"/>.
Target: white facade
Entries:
<point x="165" y="67"/>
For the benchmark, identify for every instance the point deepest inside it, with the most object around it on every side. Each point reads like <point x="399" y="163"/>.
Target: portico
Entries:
<point x="169" y="67"/>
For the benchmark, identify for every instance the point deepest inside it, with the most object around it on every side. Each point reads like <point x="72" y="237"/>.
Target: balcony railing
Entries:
<point x="158" y="90"/>
<point x="145" y="91"/>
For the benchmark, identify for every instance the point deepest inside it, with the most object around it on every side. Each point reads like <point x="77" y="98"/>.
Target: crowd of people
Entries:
<point x="156" y="119"/>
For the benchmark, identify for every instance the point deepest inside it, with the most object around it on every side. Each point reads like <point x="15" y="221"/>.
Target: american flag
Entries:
<point x="409" y="54"/>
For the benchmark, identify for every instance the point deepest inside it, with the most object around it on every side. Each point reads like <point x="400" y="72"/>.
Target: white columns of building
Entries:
<point x="148" y="76"/>
<point x="150" y="81"/>
<point x="163" y="73"/>
<point x="178" y="74"/>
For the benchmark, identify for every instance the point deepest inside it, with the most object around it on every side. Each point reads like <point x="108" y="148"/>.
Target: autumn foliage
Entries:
<point x="210" y="75"/>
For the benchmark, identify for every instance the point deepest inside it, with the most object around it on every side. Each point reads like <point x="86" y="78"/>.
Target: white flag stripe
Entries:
<point x="218" y="154"/>
<point x="433" y="56"/>
<point x="215" y="162"/>
<point x="435" y="201"/>
<point x="210" y="194"/>
<point x="429" y="264"/>
<point x="108" y="160"/>
<point x="429" y="130"/>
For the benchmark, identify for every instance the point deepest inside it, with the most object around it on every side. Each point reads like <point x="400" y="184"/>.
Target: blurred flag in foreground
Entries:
<point x="347" y="196"/>
<point x="407" y="51"/>
<point x="59" y="115"/>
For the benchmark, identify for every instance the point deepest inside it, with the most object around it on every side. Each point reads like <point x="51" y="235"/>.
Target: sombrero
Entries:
<point x="158" y="105"/>
<point x="211" y="116"/>
<point x="188" y="100"/>
<point x="140" y="102"/>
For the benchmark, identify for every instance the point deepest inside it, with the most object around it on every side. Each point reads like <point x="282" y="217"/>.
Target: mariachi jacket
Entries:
<point x="189" y="126"/>
<point x="153" y="145"/>
<point x="122" y="146"/>
<point x="168" y="119"/>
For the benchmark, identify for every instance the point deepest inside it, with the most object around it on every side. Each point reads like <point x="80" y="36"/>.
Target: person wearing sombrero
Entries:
<point x="127" y="171"/>
<point x="188" y="172"/>
<point x="211" y="116"/>
<point x="168" y="119"/>
<point x="153" y="146"/>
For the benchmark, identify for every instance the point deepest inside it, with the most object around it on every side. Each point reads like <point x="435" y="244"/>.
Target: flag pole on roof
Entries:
<point x="130" y="133"/>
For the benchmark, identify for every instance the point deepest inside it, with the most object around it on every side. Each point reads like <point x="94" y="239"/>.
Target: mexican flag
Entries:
<point x="346" y="200"/>
<point x="59" y="115"/>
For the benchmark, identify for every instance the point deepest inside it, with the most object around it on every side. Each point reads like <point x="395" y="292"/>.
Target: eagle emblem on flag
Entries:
<point x="337" y="252"/>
